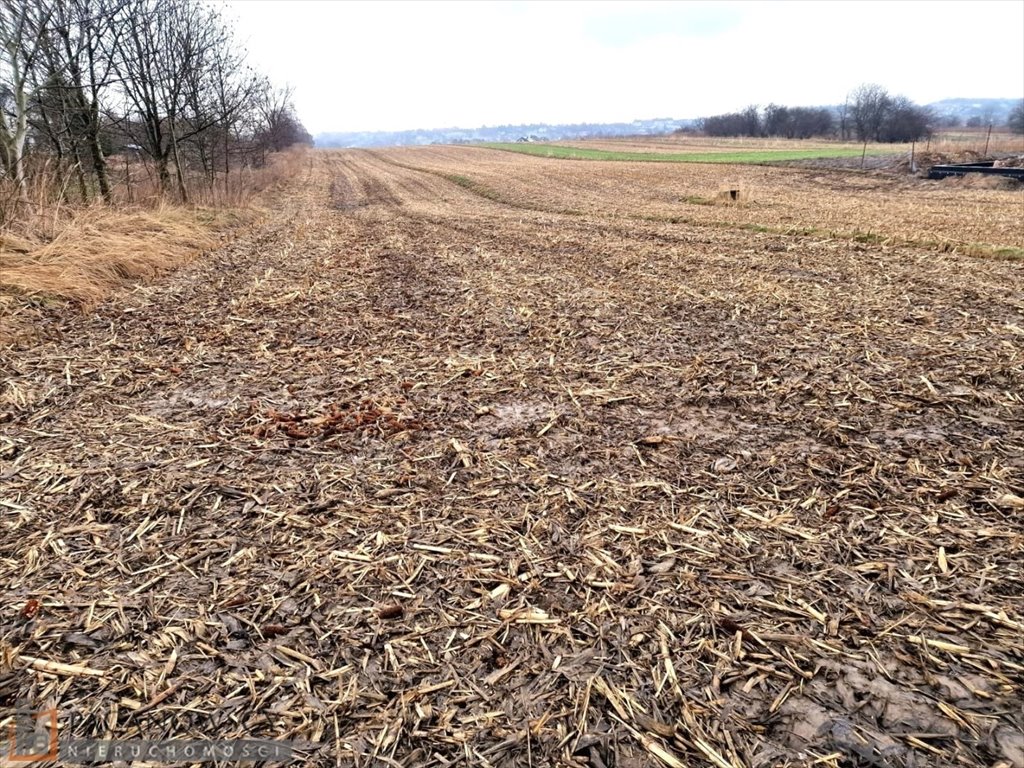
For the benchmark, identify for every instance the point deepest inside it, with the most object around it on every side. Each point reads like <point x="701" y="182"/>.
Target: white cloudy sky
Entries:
<point x="395" y="65"/>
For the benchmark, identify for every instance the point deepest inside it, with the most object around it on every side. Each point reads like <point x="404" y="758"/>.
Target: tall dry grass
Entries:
<point x="81" y="253"/>
<point x="974" y="140"/>
<point x="100" y="249"/>
<point x="135" y="181"/>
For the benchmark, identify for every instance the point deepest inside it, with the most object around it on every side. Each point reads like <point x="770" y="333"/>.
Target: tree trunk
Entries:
<point x="83" y="188"/>
<point x="163" y="172"/>
<point x="99" y="162"/>
<point x="13" y="133"/>
<point x="18" y="167"/>
<point x="182" y="191"/>
<point x="18" y="146"/>
<point x="227" y="166"/>
<point x="207" y="163"/>
<point x="99" y="167"/>
<point x="128" y="179"/>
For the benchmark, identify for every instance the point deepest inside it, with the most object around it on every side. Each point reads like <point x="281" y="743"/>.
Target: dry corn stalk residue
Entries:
<point x="545" y="465"/>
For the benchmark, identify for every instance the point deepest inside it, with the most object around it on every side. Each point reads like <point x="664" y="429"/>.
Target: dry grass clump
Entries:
<point x="100" y="250"/>
<point x="83" y="253"/>
<point x="954" y="142"/>
<point x="733" y="194"/>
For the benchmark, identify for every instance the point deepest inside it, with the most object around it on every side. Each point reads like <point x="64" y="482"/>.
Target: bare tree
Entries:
<point x="78" y="42"/>
<point x="805" y="122"/>
<point x="745" y="123"/>
<point x="280" y="128"/>
<point x="165" y="51"/>
<point x="215" y="100"/>
<point x="166" y="78"/>
<point x="1015" y="120"/>
<point x="905" y="121"/>
<point x="777" y="121"/>
<point x="868" y="107"/>
<point x="55" y="117"/>
<point x="20" y="42"/>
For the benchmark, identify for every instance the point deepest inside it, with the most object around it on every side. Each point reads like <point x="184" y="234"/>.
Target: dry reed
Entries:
<point x="82" y="253"/>
<point x="101" y="249"/>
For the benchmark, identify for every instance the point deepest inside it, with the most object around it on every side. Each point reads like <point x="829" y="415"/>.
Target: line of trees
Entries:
<point x="162" y="81"/>
<point x="870" y="113"/>
<point x="774" y="120"/>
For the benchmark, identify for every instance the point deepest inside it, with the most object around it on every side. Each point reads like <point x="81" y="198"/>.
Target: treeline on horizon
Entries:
<point x="161" y="84"/>
<point x="869" y="113"/>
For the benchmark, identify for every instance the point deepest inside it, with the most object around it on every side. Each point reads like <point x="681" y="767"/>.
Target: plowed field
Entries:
<point x="469" y="458"/>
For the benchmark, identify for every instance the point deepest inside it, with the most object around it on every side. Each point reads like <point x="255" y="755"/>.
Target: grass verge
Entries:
<point x="80" y="254"/>
<point x="99" y="250"/>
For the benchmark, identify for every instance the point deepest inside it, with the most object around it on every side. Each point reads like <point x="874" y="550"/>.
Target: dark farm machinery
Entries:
<point x="985" y="167"/>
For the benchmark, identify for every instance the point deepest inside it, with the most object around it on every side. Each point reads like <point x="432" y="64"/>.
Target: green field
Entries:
<point x="750" y="156"/>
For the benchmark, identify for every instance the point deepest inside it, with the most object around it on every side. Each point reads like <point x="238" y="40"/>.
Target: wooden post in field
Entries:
<point x="989" y="136"/>
<point x="863" y="155"/>
<point x="912" y="168"/>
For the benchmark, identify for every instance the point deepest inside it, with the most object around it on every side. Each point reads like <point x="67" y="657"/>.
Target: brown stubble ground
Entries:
<point x="873" y="207"/>
<point x="947" y="142"/>
<point x="435" y="478"/>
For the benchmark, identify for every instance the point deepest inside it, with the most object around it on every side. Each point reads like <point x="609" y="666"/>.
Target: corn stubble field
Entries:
<point x="462" y="457"/>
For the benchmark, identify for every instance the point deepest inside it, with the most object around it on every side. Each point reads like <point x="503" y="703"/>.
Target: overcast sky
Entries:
<point x="397" y="65"/>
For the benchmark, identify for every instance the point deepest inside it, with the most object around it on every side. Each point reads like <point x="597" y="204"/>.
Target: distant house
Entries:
<point x="527" y="139"/>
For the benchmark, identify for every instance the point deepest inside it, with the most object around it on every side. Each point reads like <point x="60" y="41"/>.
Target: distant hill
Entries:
<point x="532" y="131"/>
<point x="994" y="111"/>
